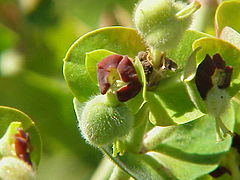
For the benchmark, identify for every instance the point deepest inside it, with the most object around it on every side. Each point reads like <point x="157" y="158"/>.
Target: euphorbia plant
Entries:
<point x="160" y="100"/>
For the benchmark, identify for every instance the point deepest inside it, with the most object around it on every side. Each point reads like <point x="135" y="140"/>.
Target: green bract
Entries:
<point x="102" y="124"/>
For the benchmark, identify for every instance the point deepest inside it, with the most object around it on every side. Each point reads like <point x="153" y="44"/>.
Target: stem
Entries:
<point x="111" y="99"/>
<point x="104" y="170"/>
<point x="135" y="137"/>
<point x="157" y="56"/>
<point x="156" y="136"/>
<point x="119" y="174"/>
<point x="188" y="10"/>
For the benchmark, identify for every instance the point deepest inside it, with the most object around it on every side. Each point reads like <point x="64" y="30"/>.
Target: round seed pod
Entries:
<point x="163" y="22"/>
<point x="12" y="168"/>
<point x="102" y="124"/>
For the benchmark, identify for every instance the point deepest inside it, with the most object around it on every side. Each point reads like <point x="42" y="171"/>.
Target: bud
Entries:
<point x="162" y="22"/>
<point x="102" y="124"/>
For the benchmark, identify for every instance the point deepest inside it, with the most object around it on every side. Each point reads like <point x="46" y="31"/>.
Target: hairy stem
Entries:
<point x="135" y="137"/>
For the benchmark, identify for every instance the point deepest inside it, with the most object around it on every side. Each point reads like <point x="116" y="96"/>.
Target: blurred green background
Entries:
<point x="34" y="38"/>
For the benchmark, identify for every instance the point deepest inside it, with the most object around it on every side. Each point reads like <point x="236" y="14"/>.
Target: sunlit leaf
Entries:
<point x="182" y="52"/>
<point x="186" y="150"/>
<point x="230" y="35"/>
<point x="140" y="166"/>
<point x="228" y="14"/>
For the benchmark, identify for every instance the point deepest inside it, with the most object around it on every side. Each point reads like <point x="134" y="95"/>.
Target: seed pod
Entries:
<point x="163" y="22"/>
<point x="102" y="124"/>
<point x="12" y="168"/>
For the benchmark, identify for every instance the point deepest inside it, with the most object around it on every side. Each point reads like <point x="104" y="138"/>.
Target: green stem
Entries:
<point x="119" y="174"/>
<point x="156" y="136"/>
<point x="156" y="56"/>
<point x="111" y="99"/>
<point x="135" y="138"/>
<point x="104" y="170"/>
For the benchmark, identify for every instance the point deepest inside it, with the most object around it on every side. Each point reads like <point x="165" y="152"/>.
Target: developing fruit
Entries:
<point x="163" y="22"/>
<point x="102" y="124"/>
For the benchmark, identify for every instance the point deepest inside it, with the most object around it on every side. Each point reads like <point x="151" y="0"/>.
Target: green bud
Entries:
<point x="12" y="168"/>
<point x="163" y="22"/>
<point x="102" y="123"/>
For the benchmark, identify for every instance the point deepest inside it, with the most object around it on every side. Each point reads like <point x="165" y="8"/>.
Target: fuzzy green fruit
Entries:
<point x="102" y="124"/>
<point x="163" y="22"/>
<point x="12" y="168"/>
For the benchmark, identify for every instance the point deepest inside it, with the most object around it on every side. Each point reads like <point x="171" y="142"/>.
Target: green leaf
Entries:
<point x="140" y="166"/>
<point x="182" y="52"/>
<point x="172" y="95"/>
<point x="8" y="115"/>
<point x="94" y="57"/>
<point x="187" y="151"/>
<point x="228" y="14"/>
<point x="230" y="35"/>
<point x="120" y="40"/>
<point x="229" y="52"/>
<point x="190" y="150"/>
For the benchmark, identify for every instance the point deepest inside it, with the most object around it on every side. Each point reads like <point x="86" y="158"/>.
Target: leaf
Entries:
<point x="140" y="166"/>
<point x="8" y="115"/>
<point x="228" y="14"/>
<point x="229" y="52"/>
<point x="172" y="95"/>
<point x="92" y="59"/>
<point x="190" y="150"/>
<point x="186" y="151"/>
<point x="120" y="40"/>
<point x="230" y="35"/>
<point x="182" y="52"/>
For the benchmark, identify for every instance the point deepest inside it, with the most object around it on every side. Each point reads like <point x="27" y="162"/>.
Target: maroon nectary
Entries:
<point x="22" y="146"/>
<point x="123" y="67"/>
<point x="206" y="70"/>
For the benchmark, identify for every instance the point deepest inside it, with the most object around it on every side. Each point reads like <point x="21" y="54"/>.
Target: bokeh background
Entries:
<point x="34" y="38"/>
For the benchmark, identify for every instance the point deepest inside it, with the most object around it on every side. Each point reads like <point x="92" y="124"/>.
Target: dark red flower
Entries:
<point x="117" y="67"/>
<point x="211" y="72"/>
<point x="22" y="146"/>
